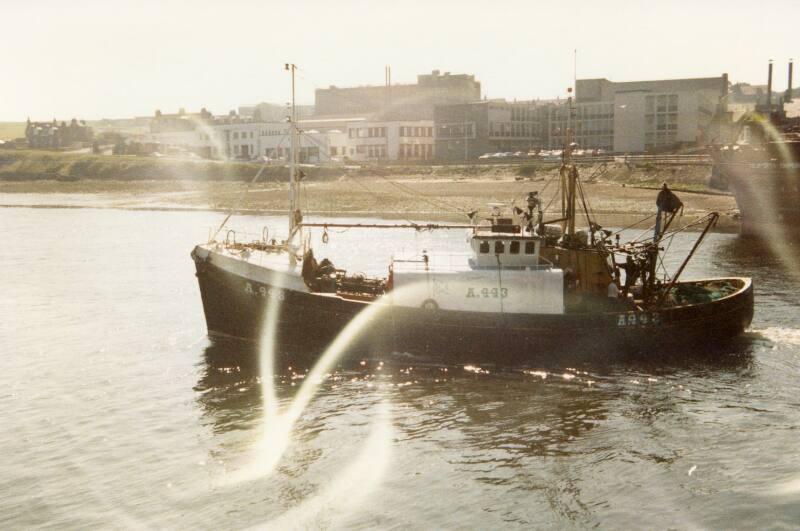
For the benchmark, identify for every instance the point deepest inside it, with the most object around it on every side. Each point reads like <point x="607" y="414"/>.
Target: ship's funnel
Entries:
<point x="769" y="89"/>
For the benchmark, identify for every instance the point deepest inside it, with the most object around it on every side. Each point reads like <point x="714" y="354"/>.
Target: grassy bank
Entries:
<point x="24" y="165"/>
<point x="31" y="165"/>
<point x="617" y="192"/>
<point x="12" y="130"/>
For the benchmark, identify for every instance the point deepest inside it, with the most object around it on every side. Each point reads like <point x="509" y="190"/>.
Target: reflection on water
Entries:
<point x="502" y="429"/>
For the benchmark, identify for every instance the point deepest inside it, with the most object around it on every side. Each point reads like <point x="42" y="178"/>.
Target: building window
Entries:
<point x="673" y="102"/>
<point x="649" y="104"/>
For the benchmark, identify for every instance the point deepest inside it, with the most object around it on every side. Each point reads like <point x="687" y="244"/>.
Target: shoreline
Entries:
<point x="403" y="197"/>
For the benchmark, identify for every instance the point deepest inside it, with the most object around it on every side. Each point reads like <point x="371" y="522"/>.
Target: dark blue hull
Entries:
<point x="238" y="307"/>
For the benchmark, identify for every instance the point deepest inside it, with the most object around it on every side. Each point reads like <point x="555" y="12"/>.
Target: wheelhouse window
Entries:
<point x="513" y="247"/>
<point x="530" y="247"/>
<point x="499" y="247"/>
<point x="484" y="247"/>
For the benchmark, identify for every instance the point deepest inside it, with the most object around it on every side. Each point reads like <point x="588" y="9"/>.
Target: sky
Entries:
<point x="112" y="59"/>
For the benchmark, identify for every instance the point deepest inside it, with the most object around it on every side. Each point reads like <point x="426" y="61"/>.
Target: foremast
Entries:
<point x="295" y="215"/>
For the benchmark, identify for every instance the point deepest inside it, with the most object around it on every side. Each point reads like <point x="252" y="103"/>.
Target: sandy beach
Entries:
<point x="402" y="197"/>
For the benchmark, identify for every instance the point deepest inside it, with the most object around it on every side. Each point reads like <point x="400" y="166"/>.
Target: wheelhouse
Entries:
<point x="504" y="244"/>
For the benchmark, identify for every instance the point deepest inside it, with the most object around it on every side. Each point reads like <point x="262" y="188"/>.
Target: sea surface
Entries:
<point x="116" y="410"/>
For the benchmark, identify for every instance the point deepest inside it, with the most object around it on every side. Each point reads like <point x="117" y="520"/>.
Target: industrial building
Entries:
<point x="443" y="117"/>
<point x="467" y="131"/>
<point x="637" y="116"/>
<point x="395" y="102"/>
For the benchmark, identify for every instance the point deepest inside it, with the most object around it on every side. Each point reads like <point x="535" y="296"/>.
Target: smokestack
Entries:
<point x="769" y="89"/>
<point x="789" y="86"/>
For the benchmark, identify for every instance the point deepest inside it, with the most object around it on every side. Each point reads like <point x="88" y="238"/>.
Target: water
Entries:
<point x="116" y="410"/>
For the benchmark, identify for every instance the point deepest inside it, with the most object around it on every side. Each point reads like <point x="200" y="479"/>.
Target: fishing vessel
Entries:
<point x="762" y="169"/>
<point x="532" y="289"/>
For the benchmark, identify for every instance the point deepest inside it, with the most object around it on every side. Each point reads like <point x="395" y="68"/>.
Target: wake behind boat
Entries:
<point x="531" y="290"/>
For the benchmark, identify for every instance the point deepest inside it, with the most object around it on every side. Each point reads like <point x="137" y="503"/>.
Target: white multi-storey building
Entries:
<point x="320" y="141"/>
<point x="402" y="140"/>
<point x="638" y="116"/>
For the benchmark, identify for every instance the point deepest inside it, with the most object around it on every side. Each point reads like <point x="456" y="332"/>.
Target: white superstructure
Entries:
<point x="504" y="274"/>
<point x="479" y="290"/>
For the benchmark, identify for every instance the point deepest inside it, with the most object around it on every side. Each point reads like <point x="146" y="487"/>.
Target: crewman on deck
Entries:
<point x="667" y="203"/>
<point x="631" y="273"/>
<point x="613" y="290"/>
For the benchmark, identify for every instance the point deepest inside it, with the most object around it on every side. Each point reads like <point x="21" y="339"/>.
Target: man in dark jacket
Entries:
<point x="667" y="203"/>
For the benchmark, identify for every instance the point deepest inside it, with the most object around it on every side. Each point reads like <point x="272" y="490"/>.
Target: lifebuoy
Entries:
<point x="429" y="304"/>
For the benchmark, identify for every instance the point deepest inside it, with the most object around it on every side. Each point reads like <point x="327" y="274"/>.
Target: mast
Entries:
<point x="294" y="212"/>
<point x="569" y="176"/>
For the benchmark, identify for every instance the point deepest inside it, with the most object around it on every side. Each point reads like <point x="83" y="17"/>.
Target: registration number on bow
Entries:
<point x="263" y="291"/>
<point x="638" y="319"/>
<point x="487" y="293"/>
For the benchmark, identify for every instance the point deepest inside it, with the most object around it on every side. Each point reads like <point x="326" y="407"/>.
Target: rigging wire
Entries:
<point x="635" y="224"/>
<point x="555" y="194"/>
<point x="440" y="204"/>
<point x="245" y="190"/>
<point x="585" y="207"/>
<point x="239" y="201"/>
<point x="425" y="198"/>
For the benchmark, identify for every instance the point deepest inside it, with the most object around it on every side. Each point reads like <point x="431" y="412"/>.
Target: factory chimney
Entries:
<point x="788" y="97"/>
<point x="769" y="89"/>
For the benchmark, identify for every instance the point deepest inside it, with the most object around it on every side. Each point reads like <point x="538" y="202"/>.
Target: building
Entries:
<point x="466" y="131"/>
<point x="324" y="141"/>
<point x="399" y="140"/>
<point x="181" y="121"/>
<point x="271" y="112"/>
<point x="639" y="116"/>
<point x="398" y="102"/>
<point x="55" y="135"/>
<point x="265" y="141"/>
<point x="321" y="140"/>
<point x="592" y="124"/>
